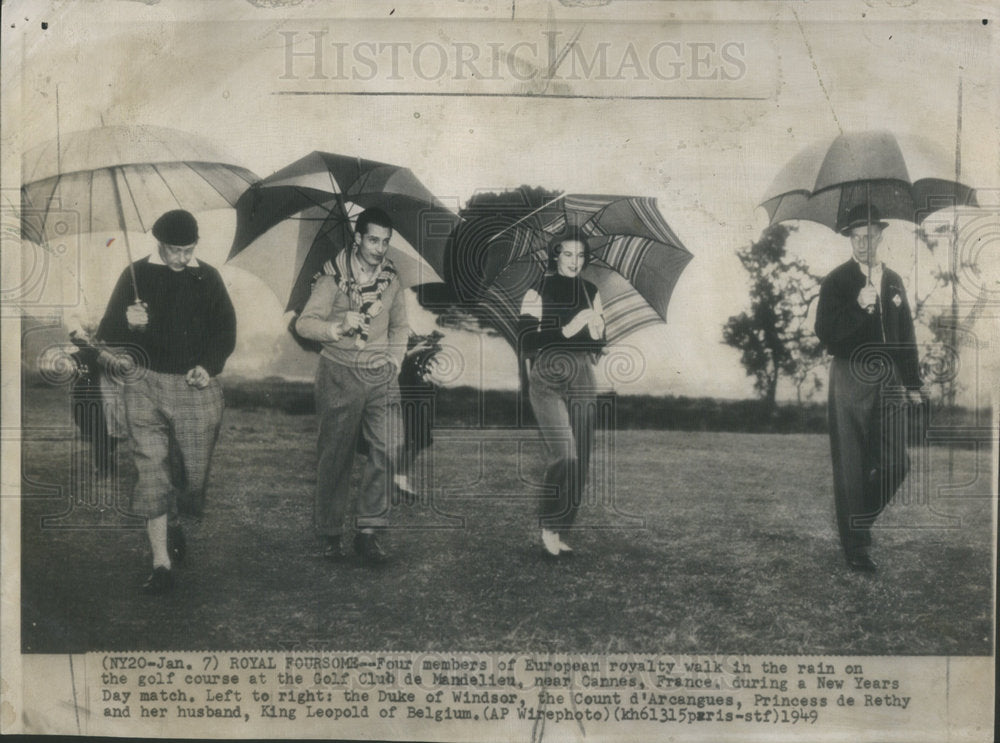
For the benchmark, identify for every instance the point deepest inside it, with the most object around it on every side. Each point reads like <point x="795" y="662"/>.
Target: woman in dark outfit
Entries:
<point x="562" y="332"/>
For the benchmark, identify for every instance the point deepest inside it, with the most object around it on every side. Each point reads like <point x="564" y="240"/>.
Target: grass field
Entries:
<point x="691" y="542"/>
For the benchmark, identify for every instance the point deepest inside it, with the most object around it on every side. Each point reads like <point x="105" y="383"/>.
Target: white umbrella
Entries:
<point x="120" y="179"/>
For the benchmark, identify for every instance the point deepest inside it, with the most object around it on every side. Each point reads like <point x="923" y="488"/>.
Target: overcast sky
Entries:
<point x="705" y="144"/>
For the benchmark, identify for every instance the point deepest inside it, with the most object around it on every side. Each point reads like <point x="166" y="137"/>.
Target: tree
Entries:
<point x="477" y="252"/>
<point x="481" y="244"/>
<point x="941" y="351"/>
<point x="774" y="337"/>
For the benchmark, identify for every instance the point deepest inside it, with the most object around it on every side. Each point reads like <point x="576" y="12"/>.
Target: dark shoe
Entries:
<point x="368" y="548"/>
<point x="861" y="564"/>
<point x="160" y="581"/>
<point x="333" y="552"/>
<point x="176" y="545"/>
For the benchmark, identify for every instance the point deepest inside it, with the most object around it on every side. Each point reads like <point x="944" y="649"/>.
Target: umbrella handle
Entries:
<point x="131" y="270"/>
<point x="868" y="233"/>
<point x="135" y="284"/>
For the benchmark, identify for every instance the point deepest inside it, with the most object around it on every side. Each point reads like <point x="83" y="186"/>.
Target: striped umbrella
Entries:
<point x="636" y="260"/>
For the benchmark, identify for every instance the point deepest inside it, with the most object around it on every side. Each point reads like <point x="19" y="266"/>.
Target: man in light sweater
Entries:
<point x="357" y="311"/>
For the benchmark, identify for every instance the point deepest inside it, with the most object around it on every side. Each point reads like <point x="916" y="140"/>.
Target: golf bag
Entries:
<point x="87" y="403"/>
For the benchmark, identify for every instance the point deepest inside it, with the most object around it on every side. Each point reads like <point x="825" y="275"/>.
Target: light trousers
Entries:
<point x="352" y="402"/>
<point x="562" y="391"/>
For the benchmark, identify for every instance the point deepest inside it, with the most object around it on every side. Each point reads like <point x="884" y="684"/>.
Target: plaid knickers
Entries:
<point x="173" y="428"/>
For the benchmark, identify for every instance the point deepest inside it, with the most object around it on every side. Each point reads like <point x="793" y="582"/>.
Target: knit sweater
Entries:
<point x="551" y="307"/>
<point x="387" y="333"/>
<point x="191" y="318"/>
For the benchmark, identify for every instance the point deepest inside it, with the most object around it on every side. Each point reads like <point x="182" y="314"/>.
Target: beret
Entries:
<point x="177" y="227"/>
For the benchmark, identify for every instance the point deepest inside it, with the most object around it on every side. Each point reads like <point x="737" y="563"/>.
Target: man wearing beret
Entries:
<point x="357" y="311"/>
<point x="172" y="326"/>
<point x="863" y="319"/>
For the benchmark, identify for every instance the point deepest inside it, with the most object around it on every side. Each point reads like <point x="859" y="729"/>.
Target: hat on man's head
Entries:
<point x="177" y="227"/>
<point x="860" y="216"/>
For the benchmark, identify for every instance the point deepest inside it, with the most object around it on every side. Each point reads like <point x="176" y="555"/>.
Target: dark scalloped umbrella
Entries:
<point x="904" y="178"/>
<point x="296" y="219"/>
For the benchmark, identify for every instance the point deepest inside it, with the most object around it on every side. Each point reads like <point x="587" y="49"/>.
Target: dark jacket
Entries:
<point x="191" y="318"/>
<point x="844" y="326"/>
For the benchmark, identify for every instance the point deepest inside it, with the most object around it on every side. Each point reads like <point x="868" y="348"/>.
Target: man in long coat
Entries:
<point x="864" y="321"/>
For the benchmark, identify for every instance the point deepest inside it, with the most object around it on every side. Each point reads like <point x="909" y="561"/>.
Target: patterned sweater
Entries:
<point x="331" y="299"/>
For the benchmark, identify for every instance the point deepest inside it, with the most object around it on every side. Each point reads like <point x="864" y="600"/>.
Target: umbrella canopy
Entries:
<point x="636" y="260"/>
<point x="85" y="192"/>
<point x="293" y="221"/>
<point x="288" y="255"/>
<point x="121" y="179"/>
<point x="902" y="177"/>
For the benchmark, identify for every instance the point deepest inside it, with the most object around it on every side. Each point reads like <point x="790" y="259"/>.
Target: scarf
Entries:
<point x="366" y="299"/>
